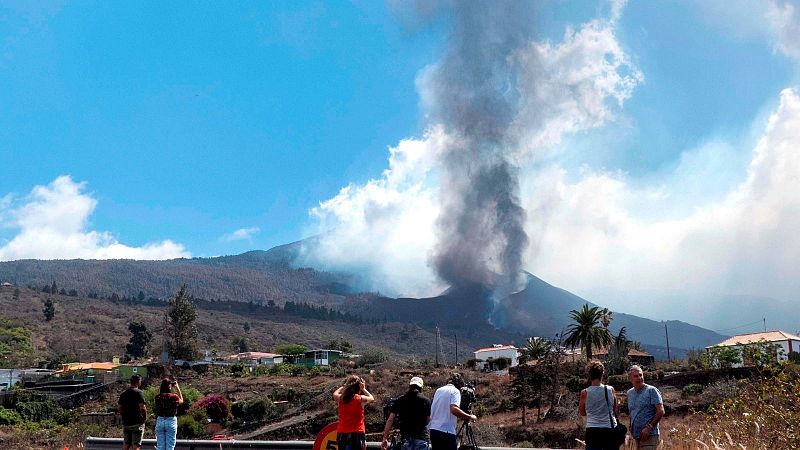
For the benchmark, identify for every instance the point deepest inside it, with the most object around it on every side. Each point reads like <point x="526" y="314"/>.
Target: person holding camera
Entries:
<point x="598" y="403"/>
<point x="414" y="411"/>
<point x="445" y="412"/>
<point x="166" y="406"/>
<point x="351" y="398"/>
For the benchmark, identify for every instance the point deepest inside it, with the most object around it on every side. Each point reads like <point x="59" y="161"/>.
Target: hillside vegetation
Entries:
<point x="96" y="329"/>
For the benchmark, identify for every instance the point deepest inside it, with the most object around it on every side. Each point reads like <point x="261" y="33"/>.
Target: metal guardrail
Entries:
<point x="94" y="443"/>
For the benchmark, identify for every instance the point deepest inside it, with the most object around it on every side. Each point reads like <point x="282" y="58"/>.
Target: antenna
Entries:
<point x="667" y="334"/>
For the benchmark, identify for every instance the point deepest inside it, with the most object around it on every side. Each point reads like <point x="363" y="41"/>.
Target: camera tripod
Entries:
<point x="466" y="437"/>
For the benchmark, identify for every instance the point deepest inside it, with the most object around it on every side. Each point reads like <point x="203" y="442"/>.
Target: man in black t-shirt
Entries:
<point x="414" y="412"/>
<point x="134" y="414"/>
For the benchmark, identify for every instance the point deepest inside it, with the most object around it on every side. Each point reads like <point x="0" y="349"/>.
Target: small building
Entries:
<point x="93" y="372"/>
<point x="639" y="357"/>
<point x="257" y="358"/>
<point x="496" y="357"/>
<point x="786" y="343"/>
<point x="319" y="357"/>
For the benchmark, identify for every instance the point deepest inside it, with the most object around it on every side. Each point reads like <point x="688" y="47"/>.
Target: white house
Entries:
<point x="488" y="358"/>
<point x="786" y="342"/>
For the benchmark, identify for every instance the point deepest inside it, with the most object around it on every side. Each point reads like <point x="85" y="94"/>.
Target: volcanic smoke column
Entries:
<point x="472" y="92"/>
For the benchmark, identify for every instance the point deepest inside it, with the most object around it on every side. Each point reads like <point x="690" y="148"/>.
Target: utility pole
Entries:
<point x="667" y="334"/>
<point x="436" y="358"/>
<point x="456" y="338"/>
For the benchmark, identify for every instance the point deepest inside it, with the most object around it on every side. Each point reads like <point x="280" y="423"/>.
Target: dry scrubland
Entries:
<point x="706" y="409"/>
<point x="757" y="414"/>
<point x="96" y="329"/>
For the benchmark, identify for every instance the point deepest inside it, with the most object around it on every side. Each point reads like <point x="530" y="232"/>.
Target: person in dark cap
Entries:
<point x="414" y="411"/>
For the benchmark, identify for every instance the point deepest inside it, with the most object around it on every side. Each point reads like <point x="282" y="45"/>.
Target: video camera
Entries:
<point x="468" y="397"/>
<point x="387" y="409"/>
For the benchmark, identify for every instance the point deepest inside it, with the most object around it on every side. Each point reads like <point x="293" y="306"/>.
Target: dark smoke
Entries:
<point x="481" y="235"/>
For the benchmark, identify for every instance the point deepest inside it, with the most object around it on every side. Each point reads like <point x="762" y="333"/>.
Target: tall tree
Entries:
<point x="140" y="340"/>
<point x="588" y="330"/>
<point x="49" y="309"/>
<point x="240" y="344"/>
<point x="54" y="288"/>
<point x="181" y="328"/>
<point x="536" y="348"/>
<point x="617" y="359"/>
<point x="606" y="316"/>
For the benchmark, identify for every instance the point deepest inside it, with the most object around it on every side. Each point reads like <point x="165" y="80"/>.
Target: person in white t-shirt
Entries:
<point x="445" y="412"/>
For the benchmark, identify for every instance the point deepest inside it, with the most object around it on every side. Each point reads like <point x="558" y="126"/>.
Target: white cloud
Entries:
<point x="241" y="234"/>
<point x="53" y="224"/>
<point x="599" y="231"/>
<point x="784" y="18"/>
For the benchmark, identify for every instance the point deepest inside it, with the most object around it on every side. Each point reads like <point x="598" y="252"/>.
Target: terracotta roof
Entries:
<point x="752" y="338"/>
<point x="489" y="349"/>
<point x="631" y="352"/>
<point x="86" y="366"/>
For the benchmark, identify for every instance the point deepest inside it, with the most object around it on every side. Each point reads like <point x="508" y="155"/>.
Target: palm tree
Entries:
<point x="536" y="348"/>
<point x="587" y="331"/>
<point x="606" y="316"/>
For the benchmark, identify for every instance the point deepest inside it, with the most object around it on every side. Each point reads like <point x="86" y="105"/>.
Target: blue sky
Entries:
<point x="649" y="134"/>
<point x="188" y="122"/>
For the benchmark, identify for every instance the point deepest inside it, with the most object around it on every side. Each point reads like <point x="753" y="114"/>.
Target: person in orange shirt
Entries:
<point x="351" y="398"/>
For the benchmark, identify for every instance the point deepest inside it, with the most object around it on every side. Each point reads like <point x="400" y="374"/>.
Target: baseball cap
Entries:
<point x="416" y="381"/>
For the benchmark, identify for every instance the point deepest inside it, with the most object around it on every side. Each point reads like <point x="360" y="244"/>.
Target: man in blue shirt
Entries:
<point x="647" y="409"/>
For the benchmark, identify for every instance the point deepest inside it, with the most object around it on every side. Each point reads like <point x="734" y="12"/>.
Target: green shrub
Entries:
<point x="281" y="369"/>
<point x="692" y="389"/>
<point x="575" y="383"/>
<point x="506" y="404"/>
<point x="9" y="417"/>
<point x="38" y="411"/>
<point x="617" y="380"/>
<point x="260" y="371"/>
<point x="189" y="427"/>
<point x="313" y="372"/>
<point x="254" y="410"/>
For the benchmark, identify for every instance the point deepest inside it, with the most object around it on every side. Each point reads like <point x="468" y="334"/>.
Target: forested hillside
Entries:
<point x="97" y="329"/>
<point x="257" y="276"/>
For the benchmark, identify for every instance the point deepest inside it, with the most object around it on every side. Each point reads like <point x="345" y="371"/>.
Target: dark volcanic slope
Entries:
<point x="543" y="309"/>
<point x="260" y="276"/>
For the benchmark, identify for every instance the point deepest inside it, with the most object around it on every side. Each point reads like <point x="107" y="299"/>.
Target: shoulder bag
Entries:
<point x="620" y="431"/>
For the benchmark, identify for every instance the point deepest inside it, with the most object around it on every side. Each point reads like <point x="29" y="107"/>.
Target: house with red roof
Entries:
<point x="785" y="343"/>
<point x="496" y="357"/>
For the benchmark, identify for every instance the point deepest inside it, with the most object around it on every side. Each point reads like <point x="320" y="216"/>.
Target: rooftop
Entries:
<point x="752" y="338"/>
<point x="496" y="347"/>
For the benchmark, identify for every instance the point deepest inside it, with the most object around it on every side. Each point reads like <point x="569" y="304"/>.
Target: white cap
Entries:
<point x="416" y="381"/>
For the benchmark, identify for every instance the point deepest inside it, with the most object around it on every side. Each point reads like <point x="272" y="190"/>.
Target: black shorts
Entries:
<point x="600" y="439"/>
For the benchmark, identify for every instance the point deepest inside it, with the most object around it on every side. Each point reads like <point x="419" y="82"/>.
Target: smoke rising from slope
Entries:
<point x="473" y="93"/>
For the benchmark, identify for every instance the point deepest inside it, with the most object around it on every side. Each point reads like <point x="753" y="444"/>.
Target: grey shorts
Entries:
<point x="133" y="434"/>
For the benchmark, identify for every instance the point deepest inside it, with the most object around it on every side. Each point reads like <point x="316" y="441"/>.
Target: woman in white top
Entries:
<point x="599" y="405"/>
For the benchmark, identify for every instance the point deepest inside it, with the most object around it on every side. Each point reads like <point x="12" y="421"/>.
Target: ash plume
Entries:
<point x="473" y="93"/>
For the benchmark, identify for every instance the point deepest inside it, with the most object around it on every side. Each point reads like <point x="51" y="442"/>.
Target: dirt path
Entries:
<point x="310" y="415"/>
